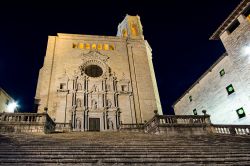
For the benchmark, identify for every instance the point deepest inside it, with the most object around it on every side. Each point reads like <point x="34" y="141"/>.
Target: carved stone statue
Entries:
<point x="94" y="88"/>
<point x="109" y="103"/>
<point x="94" y="104"/>
<point x="110" y="124"/>
<point x="79" y="86"/>
<point x="108" y="87"/>
<point x="78" y="103"/>
<point x="78" y="124"/>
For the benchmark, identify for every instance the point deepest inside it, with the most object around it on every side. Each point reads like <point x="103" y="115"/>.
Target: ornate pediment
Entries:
<point x="94" y="55"/>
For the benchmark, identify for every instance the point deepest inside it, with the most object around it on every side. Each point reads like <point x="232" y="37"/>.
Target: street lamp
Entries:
<point x="12" y="107"/>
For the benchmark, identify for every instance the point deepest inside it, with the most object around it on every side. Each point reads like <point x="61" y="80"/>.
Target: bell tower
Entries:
<point x="131" y="28"/>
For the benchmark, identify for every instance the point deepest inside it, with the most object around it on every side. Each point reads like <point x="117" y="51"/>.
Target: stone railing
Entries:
<point x="178" y="124"/>
<point x="26" y="122"/>
<point x="63" y="127"/>
<point x="231" y="129"/>
<point x="131" y="127"/>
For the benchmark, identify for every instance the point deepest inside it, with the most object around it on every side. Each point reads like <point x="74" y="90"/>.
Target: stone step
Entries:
<point x="122" y="148"/>
<point x="131" y="160"/>
<point x="122" y="152"/>
<point x="124" y="155"/>
<point x="125" y="150"/>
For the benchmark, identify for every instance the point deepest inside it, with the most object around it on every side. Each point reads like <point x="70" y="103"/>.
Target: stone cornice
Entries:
<point x="231" y="18"/>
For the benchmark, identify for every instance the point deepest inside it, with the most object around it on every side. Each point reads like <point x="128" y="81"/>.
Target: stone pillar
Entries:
<point x="83" y="121"/>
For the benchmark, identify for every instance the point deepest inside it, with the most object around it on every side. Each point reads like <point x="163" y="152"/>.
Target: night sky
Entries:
<point x="178" y="32"/>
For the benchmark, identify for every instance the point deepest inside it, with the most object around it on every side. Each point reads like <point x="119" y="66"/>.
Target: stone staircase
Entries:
<point x="122" y="148"/>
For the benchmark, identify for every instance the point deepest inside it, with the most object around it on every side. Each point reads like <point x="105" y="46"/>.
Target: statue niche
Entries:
<point x="94" y="104"/>
<point x="78" y="102"/>
<point x="108" y="87"/>
<point x="109" y="103"/>
<point x="79" y="86"/>
<point x="78" y="123"/>
<point x="110" y="124"/>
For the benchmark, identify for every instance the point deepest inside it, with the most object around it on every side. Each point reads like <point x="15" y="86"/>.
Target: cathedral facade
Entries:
<point x="97" y="83"/>
<point x="223" y="90"/>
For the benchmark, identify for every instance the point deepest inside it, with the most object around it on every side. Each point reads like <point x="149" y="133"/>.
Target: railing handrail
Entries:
<point x="230" y="125"/>
<point x="22" y="113"/>
<point x="183" y="116"/>
<point x="177" y="120"/>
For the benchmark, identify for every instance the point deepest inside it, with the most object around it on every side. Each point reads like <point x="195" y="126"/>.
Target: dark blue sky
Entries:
<point x="177" y="31"/>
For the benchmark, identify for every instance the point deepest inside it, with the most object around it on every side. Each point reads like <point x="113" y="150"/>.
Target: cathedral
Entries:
<point x="96" y="83"/>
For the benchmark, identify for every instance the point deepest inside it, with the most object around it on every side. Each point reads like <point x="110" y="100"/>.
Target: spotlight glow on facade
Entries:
<point x="246" y="50"/>
<point x="11" y="107"/>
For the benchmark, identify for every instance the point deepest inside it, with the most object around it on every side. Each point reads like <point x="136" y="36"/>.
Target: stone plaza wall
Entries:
<point x="26" y="122"/>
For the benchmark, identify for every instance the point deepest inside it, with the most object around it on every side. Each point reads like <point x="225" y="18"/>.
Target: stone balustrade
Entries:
<point x="26" y="122"/>
<point x="131" y="127"/>
<point x="191" y="124"/>
<point x="231" y="129"/>
<point x="63" y="127"/>
<point x="179" y="124"/>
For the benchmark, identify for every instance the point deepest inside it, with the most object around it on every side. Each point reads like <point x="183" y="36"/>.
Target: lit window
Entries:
<point x="124" y="33"/>
<point x="99" y="46"/>
<point x="62" y="86"/>
<point x="111" y="47"/>
<point x="248" y="17"/>
<point x="240" y="112"/>
<point x="230" y="89"/>
<point x="190" y="98"/>
<point x="106" y="47"/>
<point x="222" y="72"/>
<point x="81" y="45"/>
<point x="93" y="46"/>
<point x="195" y="112"/>
<point x="87" y="46"/>
<point x="74" y="45"/>
<point x="246" y="13"/>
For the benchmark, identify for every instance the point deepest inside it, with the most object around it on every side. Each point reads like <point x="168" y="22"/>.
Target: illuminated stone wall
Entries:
<point x="5" y="99"/>
<point x="211" y="94"/>
<point x="106" y="77"/>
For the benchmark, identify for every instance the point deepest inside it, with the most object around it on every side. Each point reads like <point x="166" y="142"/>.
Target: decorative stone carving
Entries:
<point x="94" y="88"/>
<point x="94" y="104"/>
<point x="108" y="87"/>
<point x="109" y="103"/>
<point x="78" y="123"/>
<point x="79" y="86"/>
<point x="78" y="103"/>
<point x="110" y="124"/>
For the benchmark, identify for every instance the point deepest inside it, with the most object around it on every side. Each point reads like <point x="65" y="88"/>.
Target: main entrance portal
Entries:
<point x="94" y="124"/>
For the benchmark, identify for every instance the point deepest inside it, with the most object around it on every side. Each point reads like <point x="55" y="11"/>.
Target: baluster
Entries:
<point x="223" y="130"/>
<point x="220" y="130"/>
<point x="244" y="131"/>
<point x="247" y="131"/>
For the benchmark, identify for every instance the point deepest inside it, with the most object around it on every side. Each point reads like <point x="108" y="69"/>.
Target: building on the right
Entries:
<point x="224" y="89"/>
